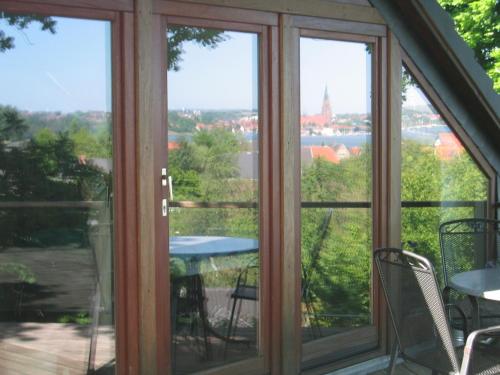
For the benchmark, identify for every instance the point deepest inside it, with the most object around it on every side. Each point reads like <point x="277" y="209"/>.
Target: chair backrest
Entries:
<point x="465" y="244"/>
<point x="247" y="284"/>
<point x="416" y="309"/>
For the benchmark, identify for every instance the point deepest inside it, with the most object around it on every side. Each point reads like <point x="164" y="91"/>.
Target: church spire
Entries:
<point x="326" y="109"/>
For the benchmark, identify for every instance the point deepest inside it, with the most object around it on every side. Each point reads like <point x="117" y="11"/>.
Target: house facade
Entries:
<point x="244" y="246"/>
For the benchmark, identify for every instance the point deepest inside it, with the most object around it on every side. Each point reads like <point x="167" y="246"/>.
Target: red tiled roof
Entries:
<point x="448" y="146"/>
<point x="173" y="145"/>
<point x="313" y="120"/>
<point x="449" y="139"/>
<point x="326" y="153"/>
<point x="356" y="150"/>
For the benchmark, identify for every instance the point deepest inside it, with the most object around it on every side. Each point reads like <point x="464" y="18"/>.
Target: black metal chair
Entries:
<point x="417" y="311"/>
<point x="466" y="245"/>
<point x="246" y="290"/>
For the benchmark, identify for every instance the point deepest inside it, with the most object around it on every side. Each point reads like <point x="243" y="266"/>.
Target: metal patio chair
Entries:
<point x="417" y="311"/>
<point x="464" y="247"/>
<point x="246" y="289"/>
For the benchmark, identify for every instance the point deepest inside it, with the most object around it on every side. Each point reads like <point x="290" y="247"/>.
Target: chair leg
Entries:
<point x="229" y="327"/>
<point x="394" y="357"/>
<point x="238" y="313"/>
<point x="202" y="310"/>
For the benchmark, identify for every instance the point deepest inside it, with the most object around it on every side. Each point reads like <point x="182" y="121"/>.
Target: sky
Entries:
<point x="71" y="70"/>
<point x="343" y="67"/>
<point x="225" y="77"/>
<point x="67" y="71"/>
<point x="415" y="98"/>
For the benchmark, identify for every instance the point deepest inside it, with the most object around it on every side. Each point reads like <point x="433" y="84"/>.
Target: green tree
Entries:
<point x="177" y="35"/>
<point x="22" y="22"/>
<point x="12" y="125"/>
<point x="427" y="178"/>
<point x="216" y="157"/>
<point x="478" y="23"/>
<point x="42" y="168"/>
<point x="337" y="262"/>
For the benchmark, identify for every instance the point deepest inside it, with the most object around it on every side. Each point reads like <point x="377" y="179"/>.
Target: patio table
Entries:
<point x="193" y="249"/>
<point x="481" y="283"/>
<point x="199" y="247"/>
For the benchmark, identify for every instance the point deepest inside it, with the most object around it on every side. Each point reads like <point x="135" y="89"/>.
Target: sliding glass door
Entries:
<point x="214" y="131"/>
<point x="336" y="127"/>
<point x="56" y="196"/>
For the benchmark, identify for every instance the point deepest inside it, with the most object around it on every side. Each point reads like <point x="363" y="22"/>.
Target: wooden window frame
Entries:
<point x="316" y="352"/>
<point x="124" y="203"/>
<point x="457" y="130"/>
<point x="265" y="26"/>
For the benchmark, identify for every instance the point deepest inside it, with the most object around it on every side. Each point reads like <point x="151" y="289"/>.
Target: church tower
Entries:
<point x="326" y="109"/>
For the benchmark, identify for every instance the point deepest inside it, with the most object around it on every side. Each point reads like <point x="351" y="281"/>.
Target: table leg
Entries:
<point x="476" y="318"/>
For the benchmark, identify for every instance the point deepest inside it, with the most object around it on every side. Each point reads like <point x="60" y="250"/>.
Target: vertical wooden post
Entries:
<point x="394" y="140"/>
<point x="393" y="165"/>
<point x="147" y="130"/>
<point x="125" y="191"/>
<point x="276" y="203"/>
<point x="291" y="200"/>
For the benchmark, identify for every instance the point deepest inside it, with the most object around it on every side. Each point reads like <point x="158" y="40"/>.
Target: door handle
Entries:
<point x="166" y="181"/>
<point x="164" y="177"/>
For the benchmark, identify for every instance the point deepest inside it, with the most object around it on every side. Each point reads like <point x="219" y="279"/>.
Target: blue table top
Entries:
<point x="210" y="246"/>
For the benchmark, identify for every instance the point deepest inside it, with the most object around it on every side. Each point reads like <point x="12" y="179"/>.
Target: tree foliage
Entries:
<point x="44" y="167"/>
<point x="12" y="126"/>
<point x="478" y="22"/>
<point x="177" y="35"/>
<point x="22" y="22"/>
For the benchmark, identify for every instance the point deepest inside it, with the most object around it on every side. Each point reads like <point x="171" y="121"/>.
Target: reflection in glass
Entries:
<point x="213" y="125"/>
<point x="56" y="201"/>
<point x="435" y="168"/>
<point x="336" y="128"/>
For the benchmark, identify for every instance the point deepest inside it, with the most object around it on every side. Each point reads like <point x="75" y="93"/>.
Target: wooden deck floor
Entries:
<point x="51" y="349"/>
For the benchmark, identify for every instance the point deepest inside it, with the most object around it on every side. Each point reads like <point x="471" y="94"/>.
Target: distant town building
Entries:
<point x="173" y="145"/>
<point x="326" y="108"/>
<point x="355" y="151"/>
<point x="342" y="151"/>
<point x="309" y="153"/>
<point x="321" y="120"/>
<point x="249" y="123"/>
<point x="447" y="146"/>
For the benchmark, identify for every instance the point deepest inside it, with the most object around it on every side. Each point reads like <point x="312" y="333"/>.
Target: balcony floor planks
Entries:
<point x="51" y="348"/>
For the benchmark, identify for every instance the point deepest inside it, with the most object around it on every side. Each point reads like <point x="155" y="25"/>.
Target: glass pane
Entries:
<point x="56" y="197"/>
<point x="336" y="159"/>
<point x="440" y="180"/>
<point x="213" y="130"/>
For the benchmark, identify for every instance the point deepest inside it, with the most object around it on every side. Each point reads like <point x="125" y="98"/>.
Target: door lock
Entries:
<point x="164" y="177"/>
<point x="164" y="207"/>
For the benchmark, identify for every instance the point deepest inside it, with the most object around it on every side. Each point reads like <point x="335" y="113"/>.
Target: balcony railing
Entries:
<point x="333" y="204"/>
